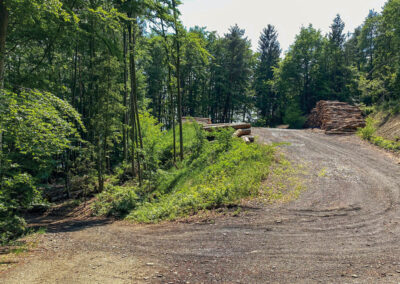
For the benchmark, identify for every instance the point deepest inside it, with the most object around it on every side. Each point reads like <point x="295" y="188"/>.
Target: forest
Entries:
<point x="93" y="94"/>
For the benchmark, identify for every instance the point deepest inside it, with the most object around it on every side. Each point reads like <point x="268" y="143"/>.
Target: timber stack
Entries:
<point x="242" y="130"/>
<point x="336" y="117"/>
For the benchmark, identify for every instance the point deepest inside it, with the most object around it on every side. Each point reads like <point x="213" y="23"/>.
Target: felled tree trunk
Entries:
<point x="211" y="127"/>
<point x="242" y="132"/>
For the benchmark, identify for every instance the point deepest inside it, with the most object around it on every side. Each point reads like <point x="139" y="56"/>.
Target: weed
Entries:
<point x="323" y="172"/>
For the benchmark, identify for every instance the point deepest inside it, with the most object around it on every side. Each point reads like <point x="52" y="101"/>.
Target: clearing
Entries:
<point x="344" y="228"/>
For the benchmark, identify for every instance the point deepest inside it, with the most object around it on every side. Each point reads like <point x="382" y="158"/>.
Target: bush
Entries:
<point x="16" y="193"/>
<point x="368" y="131"/>
<point x="11" y="225"/>
<point x="115" y="201"/>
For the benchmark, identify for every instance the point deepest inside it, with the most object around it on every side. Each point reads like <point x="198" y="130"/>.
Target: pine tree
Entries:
<point x="269" y="53"/>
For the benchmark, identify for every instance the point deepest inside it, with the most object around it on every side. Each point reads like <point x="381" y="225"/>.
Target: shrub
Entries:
<point x="368" y="131"/>
<point x="16" y="193"/>
<point x="115" y="201"/>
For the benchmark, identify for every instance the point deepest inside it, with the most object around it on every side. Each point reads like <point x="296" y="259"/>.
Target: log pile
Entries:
<point x="243" y="130"/>
<point x="336" y="117"/>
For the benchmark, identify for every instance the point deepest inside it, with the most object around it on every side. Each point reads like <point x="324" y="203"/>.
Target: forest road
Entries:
<point x="344" y="228"/>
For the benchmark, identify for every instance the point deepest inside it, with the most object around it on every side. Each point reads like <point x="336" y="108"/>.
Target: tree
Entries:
<point x="238" y="71"/>
<point x="338" y="72"/>
<point x="38" y="128"/>
<point x="268" y="59"/>
<point x="301" y="75"/>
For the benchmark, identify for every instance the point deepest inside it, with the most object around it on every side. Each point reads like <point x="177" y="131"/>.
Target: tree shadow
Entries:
<point x="69" y="225"/>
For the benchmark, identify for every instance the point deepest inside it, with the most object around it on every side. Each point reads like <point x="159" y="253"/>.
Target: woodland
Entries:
<point x="92" y="95"/>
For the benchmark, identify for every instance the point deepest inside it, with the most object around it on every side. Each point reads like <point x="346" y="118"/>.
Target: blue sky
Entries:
<point x="287" y="15"/>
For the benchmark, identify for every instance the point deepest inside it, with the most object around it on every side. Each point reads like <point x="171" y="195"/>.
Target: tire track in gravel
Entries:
<point x="345" y="228"/>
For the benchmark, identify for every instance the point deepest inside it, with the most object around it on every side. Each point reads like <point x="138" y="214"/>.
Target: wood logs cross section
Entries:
<point x="336" y="117"/>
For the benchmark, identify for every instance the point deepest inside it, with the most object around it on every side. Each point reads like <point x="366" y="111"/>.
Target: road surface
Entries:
<point x="344" y="228"/>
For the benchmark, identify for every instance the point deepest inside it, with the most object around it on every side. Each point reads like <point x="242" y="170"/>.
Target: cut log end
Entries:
<point x="242" y="132"/>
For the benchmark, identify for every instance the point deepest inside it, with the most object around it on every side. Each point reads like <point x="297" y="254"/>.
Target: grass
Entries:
<point x="285" y="182"/>
<point x="213" y="175"/>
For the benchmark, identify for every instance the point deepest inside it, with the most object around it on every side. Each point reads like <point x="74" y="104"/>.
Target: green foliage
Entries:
<point x="293" y="116"/>
<point x="116" y="201"/>
<point x="36" y="128"/>
<point x="16" y="192"/>
<point x="39" y="123"/>
<point x="368" y="131"/>
<point x="385" y="144"/>
<point x="266" y="97"/>
<point x="213" y="174"/>
<point x="224" y="172"/>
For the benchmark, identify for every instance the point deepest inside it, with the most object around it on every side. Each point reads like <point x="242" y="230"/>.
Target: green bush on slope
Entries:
<point x="368" y="133"/>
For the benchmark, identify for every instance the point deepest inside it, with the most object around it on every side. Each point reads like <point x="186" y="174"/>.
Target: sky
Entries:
<point x="286" y="15"/>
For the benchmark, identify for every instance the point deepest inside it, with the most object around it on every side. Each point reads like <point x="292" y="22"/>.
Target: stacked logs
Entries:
<point x="336" y="117"/>
<point x="242" y="130"/>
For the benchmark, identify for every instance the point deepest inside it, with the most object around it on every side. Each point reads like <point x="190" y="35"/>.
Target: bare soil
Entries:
<point x="345" y="228"/>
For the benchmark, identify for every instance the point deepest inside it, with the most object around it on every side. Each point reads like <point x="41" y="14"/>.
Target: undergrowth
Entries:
<point x="213" y="174"/>
<point x="368" y="133"/>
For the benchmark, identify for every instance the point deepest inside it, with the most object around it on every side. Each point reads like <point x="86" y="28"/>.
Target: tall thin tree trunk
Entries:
<point x="169" y="88"/>
<point x="178" y="77"/>
<point x="134" y="102"/>
<point x="125" y="101"/>
<point x="3" y="35"/>
<point x="75" y="76"/>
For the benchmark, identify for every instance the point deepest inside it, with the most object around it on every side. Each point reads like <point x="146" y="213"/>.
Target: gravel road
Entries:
<point x="345" y="228"/>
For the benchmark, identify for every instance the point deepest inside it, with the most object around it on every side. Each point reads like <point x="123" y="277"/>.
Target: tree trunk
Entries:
<point x="169" y="88"/>
<point x="3" y="35"/>
<point x="125" y="102"/>
<point x="136" y="131"/>
<point x="178" y="77"/>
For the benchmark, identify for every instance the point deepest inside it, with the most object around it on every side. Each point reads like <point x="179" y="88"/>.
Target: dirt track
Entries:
<point x="345" y="228"/>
